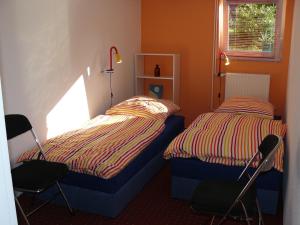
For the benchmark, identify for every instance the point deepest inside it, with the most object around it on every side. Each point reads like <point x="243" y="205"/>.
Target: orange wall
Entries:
<point x="277" y="70"/>
<point x="187" y="28"/>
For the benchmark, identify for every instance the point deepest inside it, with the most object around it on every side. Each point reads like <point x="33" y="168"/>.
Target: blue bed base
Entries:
<point x="109" y="197"/>
<point x="107" y="204"/>
<point x="188" y="173"/>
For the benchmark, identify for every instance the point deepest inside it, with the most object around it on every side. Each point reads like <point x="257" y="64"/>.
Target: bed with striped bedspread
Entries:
<point x="226" y="138"/>
<point x="103" y="146"/>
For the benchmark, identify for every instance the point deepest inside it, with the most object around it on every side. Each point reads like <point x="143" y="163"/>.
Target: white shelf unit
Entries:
<point x="140" y="76"/>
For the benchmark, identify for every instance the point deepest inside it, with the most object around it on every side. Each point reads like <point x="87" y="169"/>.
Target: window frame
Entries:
<point x="275" y="55"/>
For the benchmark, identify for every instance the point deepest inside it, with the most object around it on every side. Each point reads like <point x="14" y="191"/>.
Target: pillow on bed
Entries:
<point x="247" y="105"/>
<point x="144" y="106"/>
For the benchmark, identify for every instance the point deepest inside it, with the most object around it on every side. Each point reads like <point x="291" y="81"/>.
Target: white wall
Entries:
<point x="7" y="204"/>
<point x="292" y="195"/>
<point x="45" y="50"/>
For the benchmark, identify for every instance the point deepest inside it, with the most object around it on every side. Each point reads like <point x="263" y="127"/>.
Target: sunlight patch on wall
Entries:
<point x="70" y="112"/>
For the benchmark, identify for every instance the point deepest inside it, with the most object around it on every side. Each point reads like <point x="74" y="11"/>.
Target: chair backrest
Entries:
<point x="16" y="124"/>
<point x="267" y="148"/>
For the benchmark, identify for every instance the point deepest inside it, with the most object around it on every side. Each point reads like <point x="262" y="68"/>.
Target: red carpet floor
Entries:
<point x="153" y="206"/>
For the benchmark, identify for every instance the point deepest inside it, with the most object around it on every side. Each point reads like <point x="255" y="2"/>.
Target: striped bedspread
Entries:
<point x="103" y="147"/>
<point x="226" y="138"/>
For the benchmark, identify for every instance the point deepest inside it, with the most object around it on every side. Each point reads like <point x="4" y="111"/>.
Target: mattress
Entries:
<point x="174" y="125"/>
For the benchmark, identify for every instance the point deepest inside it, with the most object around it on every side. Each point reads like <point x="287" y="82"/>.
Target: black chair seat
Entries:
<point x="37" y="175"/>
<point x="215" y="197"/>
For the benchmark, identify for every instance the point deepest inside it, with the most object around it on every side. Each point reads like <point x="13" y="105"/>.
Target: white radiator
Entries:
<point x="245" y="84"/>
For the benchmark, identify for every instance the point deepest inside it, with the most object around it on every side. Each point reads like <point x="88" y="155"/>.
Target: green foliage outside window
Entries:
<point x="252" y="27"/>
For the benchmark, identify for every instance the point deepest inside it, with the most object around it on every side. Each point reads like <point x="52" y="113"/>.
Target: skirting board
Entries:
<point x="107" y="204"/>
<point x="182" y="188"/>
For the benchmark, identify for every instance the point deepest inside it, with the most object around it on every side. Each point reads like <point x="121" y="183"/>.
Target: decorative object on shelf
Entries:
<point x="110" y="70"/>
<point x="170" y="79"/>
<point x="156" y="91"/>
<point x="157" y="71"/>
<point x="220" y="72"/>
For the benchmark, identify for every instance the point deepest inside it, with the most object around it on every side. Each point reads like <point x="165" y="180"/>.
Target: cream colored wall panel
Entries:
<point x="51" y="55"/>
<point x="243" y="84"/>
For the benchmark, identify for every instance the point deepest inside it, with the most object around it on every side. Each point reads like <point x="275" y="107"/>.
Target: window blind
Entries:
<point x="252" y="28"/>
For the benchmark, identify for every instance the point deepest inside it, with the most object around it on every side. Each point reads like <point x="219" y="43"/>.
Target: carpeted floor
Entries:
<point x="153" y="206"/>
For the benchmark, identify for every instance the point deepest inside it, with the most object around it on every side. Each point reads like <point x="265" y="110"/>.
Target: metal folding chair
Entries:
<point x="34" y="176"/>
<point x="236" y="199"/>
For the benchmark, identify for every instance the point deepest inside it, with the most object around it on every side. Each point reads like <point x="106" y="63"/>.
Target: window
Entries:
<point x="251" y="28"/>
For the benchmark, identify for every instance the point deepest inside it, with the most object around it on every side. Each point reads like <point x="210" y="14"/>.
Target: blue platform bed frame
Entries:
<point x="109" y="197"/>
<point x="187" y="173"/>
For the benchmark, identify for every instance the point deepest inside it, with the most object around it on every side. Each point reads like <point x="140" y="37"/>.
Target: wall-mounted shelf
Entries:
<point x="157" y="78"/>
<point x="142" y="74"/>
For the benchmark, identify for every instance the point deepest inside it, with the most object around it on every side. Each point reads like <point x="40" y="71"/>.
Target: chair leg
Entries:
<point x="223" y="219"/>
<point x="22" y="211"/>
<point x="227" y="213"/>
<point x="246" y="214"/>
<point x="260" y="217"/>
<point x="65" y="198"/>
<point x="212" y="220"/>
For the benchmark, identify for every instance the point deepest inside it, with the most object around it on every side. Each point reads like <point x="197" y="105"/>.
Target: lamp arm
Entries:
<point x="219" y="68"/>
<point x="110" y="56"/>
<point x="220" y="61"/>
